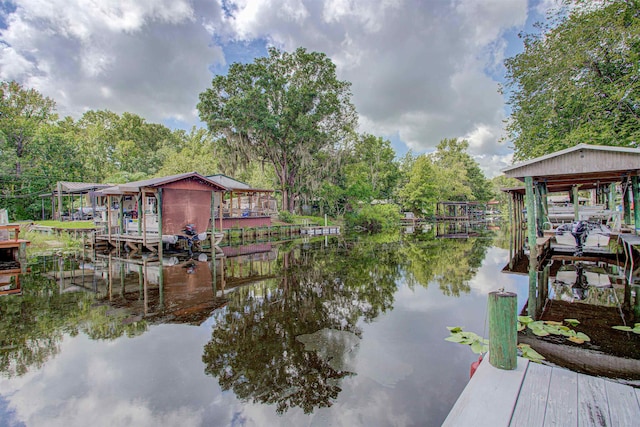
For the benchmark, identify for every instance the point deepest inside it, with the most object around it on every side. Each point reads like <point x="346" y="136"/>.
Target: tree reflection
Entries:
<point x="34" y="324"/>
<point x="451" y="263"/>
<point x="258" y="347"/>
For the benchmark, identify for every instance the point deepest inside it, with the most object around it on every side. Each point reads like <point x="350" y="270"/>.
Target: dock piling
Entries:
<point x="503" y="334"/>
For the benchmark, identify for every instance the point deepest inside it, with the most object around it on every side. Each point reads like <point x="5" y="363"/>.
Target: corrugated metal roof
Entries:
<point x="578" y="147"/>
<point x="136" y="186"/>
<point x="234" y="184"/>
<point x="80" y="187"/>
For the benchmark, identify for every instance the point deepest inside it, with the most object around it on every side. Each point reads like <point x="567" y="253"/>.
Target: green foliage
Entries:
<point x="286" y="216"/>
<point x="450" y="174"/>
<point x="539" y="328"/>
<point x="375" y="218"/>
<point x="635" y="329"/>
<point x="577" y="81"/>
<point x="478" y="344"/>
<point x="288" y="109"/>
<point x="371" y="172"/>
<point x="544" y="328"/>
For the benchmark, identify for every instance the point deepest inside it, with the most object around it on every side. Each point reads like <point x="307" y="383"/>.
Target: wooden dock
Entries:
<point x="539" y="395"/>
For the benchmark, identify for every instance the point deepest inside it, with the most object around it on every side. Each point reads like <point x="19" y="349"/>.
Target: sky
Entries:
<point x="421" y="70"/>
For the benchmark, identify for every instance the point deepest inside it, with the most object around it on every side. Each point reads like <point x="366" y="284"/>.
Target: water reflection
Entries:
<point x="283" y="325"/>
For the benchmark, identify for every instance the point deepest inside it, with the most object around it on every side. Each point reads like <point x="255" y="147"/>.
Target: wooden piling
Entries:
<point x="503" y="334"/>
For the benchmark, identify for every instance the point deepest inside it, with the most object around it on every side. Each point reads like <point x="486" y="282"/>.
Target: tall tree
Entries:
<point x="288" y="109"/>
<point x="22" y="113"/>
<point x="577" y="81"/>
<point x="452" y="155"/>
<point x="372" y="172"/>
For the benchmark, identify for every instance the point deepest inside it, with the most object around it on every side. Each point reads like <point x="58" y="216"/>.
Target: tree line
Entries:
<point x="317" y="162"/>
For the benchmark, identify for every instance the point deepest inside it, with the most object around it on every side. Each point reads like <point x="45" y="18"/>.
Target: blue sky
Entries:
<point x="421" y="70"/>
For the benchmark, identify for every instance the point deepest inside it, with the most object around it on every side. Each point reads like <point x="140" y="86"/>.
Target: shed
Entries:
<point x="160" y="206"/>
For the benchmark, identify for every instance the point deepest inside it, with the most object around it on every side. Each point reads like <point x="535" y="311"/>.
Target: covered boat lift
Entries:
<point x="71" y="190"/>
<point x="601" y="169"/>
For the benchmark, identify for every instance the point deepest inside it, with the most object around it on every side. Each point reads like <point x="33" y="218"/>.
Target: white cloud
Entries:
<point x="421" y="70"/>
<point x="147" y="57"/>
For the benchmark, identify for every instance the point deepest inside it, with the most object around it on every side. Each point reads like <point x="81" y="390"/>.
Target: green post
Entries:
<point x="503" y="334"/>
<point x="576" y="203"/>
<point x="612" y="197"/>
<point x="531" y="216"/>
<point x="626" y="205"/>
<point x="636" y="203"/>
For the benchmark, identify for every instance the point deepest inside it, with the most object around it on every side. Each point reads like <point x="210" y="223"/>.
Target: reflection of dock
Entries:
<point x="320" y="230"/>
<point x="537" y="395"/>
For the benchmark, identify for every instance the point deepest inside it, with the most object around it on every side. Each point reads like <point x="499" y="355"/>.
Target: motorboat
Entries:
<point x="583" y="234"/>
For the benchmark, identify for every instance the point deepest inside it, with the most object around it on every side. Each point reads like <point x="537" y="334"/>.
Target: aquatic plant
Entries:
<point x="541" y="328"/>
<point x="635" y="329"/>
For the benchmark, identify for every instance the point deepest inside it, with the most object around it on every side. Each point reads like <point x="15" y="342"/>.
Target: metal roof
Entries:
<point x="234" y="184"/>
<point x="583" y="164"/>
<point x="79" y="187"/>
<point x="136" y="186"/>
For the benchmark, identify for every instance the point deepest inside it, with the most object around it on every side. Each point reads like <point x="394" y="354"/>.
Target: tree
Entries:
<point x="372" y="172"/>
<point x="22" y="112"/>
<point x="421" y="193"/>
<point x="452" y="155"/>
<point x="287" y="109"/>
<point x="578" y="81"/>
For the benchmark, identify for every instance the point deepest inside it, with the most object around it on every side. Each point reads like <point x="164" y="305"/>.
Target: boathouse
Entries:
<point x="601" y="170"/>
<point x="144" y="213"/>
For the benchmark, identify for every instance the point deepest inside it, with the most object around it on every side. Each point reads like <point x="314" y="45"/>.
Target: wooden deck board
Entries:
<point x="624" y="407"/>
<point x="540" y="395"/>
<point x="532" y="400"/>
<point x="562" y="402"/>
<point x="489" y="398"/>
<point x="592" y="402"/>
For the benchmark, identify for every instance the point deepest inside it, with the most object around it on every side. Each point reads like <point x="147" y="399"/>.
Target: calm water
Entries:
<point x="326" y="332"/>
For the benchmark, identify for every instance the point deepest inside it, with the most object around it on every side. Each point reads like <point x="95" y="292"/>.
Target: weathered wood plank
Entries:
<point x="592" y="402"/>
<point x="489" y="398"/>
<point x="562" y="402"/>
<point x="532" y="401"/>
<point x="624" y="407"/>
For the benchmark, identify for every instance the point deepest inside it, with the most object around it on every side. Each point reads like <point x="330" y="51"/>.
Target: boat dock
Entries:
<point x="540" y="395"/>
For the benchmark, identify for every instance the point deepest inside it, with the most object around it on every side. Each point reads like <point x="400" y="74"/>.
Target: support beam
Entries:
<point x="160" y="245"/>
<point x="626" y="199"/>
<point x="531" y="215"/>
<point x="612" y="197"/>
<point x="636" y="203"/>
<point x="576" y="202"/>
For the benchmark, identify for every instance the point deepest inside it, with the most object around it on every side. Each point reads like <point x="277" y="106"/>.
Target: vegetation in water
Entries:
<point x="635" y="329"/>
<point x="543" y="328"/>
<point x="480" y="345"/>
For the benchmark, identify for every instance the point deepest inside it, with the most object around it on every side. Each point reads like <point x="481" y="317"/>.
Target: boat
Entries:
<point x="583" y="234"/>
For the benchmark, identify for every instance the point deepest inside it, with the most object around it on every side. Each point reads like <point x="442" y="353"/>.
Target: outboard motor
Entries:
<point x="191" y="235"/>
<point x="190" y="230"/>
<point x="579" y="230"/>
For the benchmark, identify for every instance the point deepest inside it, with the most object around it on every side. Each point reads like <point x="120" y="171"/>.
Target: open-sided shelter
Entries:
<point x="600" y="169"/>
